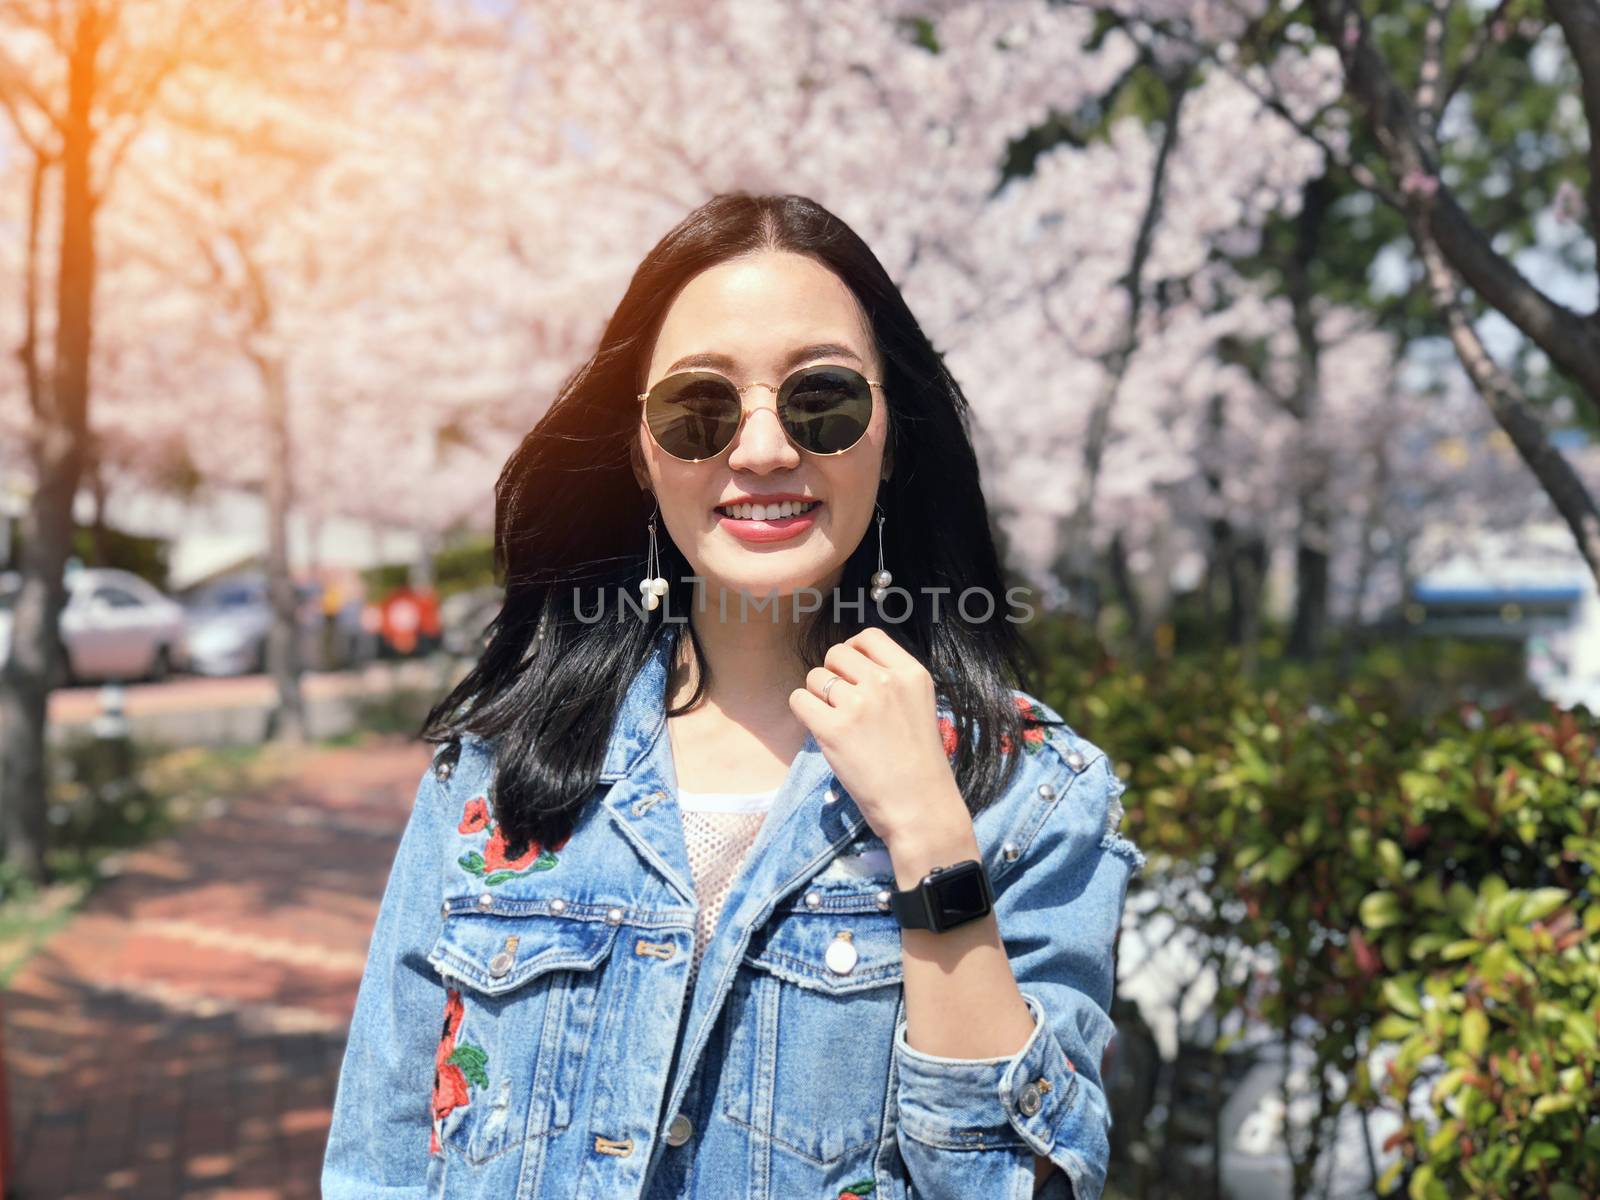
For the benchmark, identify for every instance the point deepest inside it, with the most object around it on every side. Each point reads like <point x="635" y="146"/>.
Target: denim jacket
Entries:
<point x="524" y="1027"/>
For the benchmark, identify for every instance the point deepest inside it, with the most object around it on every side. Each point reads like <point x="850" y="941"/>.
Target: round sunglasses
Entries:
<point x="695" y="415"/>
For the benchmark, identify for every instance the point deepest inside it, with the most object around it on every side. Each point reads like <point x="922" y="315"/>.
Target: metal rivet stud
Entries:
<point x="444" y="909"/>
<point x="1010" y="851"/>
<point x="1030" y="1099"/>
<point x="830" y="796"/>
<point x="1046" y="792"/>
<point x="486" y="900"/>
<point x="614" y="915"/>
<point x="500" y="964"/>
<point x="680" y="1130"/>
<point x="883" y="898"/>
<point x="1075" y="760"/>
<point x="558" y="906"/>
<point x="812" y="899"/>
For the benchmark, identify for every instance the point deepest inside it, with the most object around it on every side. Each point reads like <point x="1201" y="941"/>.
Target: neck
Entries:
<point x="753" y="663"/>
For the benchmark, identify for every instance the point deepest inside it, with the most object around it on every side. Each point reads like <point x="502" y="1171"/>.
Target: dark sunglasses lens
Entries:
<point x="826" y="409"/>
<point x="692" y="415"/>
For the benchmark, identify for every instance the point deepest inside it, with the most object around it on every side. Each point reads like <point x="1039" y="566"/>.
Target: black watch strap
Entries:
<point x="944" y="898"/>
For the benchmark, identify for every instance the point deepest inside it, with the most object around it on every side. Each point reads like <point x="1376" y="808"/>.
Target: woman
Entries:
<point x="743" y="871"/>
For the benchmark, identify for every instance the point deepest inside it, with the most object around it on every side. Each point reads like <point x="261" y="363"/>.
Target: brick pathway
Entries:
<point x="182" y="1035"/>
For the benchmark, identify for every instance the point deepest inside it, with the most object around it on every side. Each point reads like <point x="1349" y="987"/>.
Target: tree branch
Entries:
<point x="1580" y="24"/>
<point x="1570" y="339"/>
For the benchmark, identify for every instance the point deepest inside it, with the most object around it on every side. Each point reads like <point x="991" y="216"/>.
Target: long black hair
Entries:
<point x="570" y="518"/>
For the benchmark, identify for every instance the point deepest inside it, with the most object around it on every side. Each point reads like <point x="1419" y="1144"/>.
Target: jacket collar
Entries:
<point x="798" y="836"/>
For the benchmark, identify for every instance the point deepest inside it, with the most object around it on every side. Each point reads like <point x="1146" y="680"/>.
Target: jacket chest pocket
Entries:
<point x="810" y="1033"/>
<point x="523" y="996"/>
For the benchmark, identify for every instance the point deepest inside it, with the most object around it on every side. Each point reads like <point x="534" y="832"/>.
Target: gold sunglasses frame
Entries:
<point x="744" y="413"/>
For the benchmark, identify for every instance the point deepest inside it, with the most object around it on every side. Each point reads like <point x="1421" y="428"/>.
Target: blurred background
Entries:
<point x="1278" y="323"/>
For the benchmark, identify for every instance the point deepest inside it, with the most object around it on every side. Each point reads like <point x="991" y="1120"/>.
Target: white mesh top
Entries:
<point x="718" y="828"/>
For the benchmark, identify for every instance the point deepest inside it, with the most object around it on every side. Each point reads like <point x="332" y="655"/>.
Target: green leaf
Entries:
<point x="1443" y="1138"/>
<point x="1545" y="1105"/>
<point x="1402" y="997"/>
<point x="1380" y="910"/>
<point x="1390" y="858"/>
<point x="472" y="861"/>
<point x="1540" y="903"/>
<point x="1538" y="1153"/>
<point x="1564" y="1191"/>
<point x="1281" y="863"/>
<point x="500" y="877"/>
<point x="1424" y="1186"/>
<point x="1387" y="1179"/>
<point x="1393" y="1027"/>
<point x="471" y="1060"/>
<point x="1474" y="1031"/>
<point x="1465" y="948"/>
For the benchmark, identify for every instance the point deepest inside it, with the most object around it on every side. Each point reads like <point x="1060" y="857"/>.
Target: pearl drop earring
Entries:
<point x="652" y="587"/>
<point x="881" y="579"/>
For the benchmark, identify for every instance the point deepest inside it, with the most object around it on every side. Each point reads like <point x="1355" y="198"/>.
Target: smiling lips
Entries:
<point x="774" y="522"/>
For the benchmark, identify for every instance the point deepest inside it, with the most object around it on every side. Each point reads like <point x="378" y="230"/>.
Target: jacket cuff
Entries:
<point x="1032" y="1100"/>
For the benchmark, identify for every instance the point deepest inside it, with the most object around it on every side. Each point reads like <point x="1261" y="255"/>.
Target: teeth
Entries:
<point x="766" y="512"/>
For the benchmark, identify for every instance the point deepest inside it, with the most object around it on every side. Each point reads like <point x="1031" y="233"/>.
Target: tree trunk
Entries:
<point x="1122" y="580"/>
<point x="61" y="428"/>
<point x="1313" y="537"/>
<point x="288" y="722"/>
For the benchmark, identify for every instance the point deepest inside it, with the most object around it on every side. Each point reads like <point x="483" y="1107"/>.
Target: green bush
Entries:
<point x="1419" y="874"/>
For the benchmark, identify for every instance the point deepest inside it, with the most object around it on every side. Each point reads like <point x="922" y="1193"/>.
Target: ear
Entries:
<point x="641" y="473"/>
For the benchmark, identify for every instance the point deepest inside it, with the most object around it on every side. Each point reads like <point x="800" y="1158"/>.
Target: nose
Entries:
<point x="761" y="445"/>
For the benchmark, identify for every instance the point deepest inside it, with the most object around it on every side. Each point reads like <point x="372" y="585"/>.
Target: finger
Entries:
<point x="818" y="678"/>
<point x="881" y="648"/>
<point x="846" y="661"/>
<point x="816" y="716"/>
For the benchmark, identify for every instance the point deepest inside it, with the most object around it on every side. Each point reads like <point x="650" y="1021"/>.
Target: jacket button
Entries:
<point x="830" y="796"/>
<point x="813" y="899"/>
<point x="558" y="906"/>
<point x="1010" y="851"/>
<point x="883" y="898"/>
<point x="680" y="1131"/>
<point x="486" y="900"/>
<point x="1075" y="760"/>
<point x="500" y="964"/>
<point x="841" y="955"/>
<point x="444" y="909"/>
<point x="1046" y="792"/>
<point x="1029" y="1100"/>
<point x="614" y="915"/>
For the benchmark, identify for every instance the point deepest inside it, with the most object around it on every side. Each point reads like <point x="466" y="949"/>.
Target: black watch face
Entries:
<point x="961" y="896"/>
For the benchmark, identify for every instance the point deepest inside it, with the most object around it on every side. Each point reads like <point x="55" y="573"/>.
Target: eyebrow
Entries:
<point x="804" y="354"/>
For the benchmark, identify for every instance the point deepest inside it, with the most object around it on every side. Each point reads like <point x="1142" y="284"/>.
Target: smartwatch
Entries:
<point x="946" y="897"/>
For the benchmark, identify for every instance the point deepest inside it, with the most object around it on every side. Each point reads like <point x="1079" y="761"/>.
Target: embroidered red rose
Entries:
<point x="947" y="735"/>
<point x="449" y="1081"/>
<point x="475" y="816"/>
<point x="494" y="854"/>
<point x="857" y="1190"/>
<point x="453" y="1068"/>
<point x="494" y="864"/>
<point x="1032" y="737"/>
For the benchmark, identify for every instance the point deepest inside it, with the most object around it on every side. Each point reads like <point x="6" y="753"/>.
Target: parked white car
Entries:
<point x="115" y="626"/>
